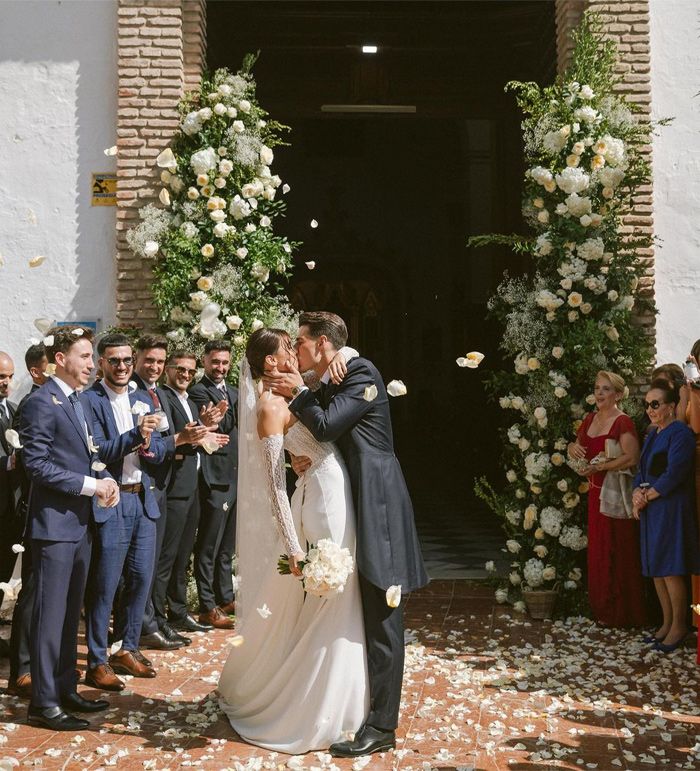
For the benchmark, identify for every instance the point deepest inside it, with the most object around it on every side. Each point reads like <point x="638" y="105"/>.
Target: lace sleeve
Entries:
<point x="273" y="450"/>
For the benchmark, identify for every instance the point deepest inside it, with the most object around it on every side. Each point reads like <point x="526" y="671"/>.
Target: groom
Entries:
<point x="355" y="415"/>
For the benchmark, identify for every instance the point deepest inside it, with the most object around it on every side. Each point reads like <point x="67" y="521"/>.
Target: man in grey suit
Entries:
<point x="355" y="415"/>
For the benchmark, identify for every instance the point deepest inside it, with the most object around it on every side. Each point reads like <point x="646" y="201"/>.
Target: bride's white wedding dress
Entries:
<point x="298" y="682"/>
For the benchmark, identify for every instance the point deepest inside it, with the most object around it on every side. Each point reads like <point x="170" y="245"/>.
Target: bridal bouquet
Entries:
<point x="324" y="570"/>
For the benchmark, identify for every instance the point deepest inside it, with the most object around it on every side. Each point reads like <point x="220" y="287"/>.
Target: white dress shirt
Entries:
<point x="123" y="417"/>
<point x="186" y="407"/>
<point x="89" y="483"/>
<point x="5" y="408"/>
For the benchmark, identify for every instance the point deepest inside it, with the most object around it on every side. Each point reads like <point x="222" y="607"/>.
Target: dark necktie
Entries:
<point x="154" y="396"/>
<point x="74" y="399"/>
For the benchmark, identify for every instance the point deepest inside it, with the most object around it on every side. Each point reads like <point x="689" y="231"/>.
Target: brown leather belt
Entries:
<point x="137" y="488"/>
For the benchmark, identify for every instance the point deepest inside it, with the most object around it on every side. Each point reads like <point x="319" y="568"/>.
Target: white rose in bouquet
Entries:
<point x="551" y="520"/>
<point x="532" y="572"/>
<point x="260" y="272"/>
<point x="573" y="180"/>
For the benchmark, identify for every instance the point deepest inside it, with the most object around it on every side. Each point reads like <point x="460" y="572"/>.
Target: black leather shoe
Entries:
<point x="74" y="702"/>
<point x="55" y="719"/>
<point x="158" y="641"/>
<point x="190" y="624"/>
<point x="170" y="634"/>
<point x="367" y="740"/>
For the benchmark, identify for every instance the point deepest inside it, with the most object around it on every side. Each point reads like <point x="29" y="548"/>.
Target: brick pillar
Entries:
<point x="627" y="23"/>
<point x="161" y="52"/>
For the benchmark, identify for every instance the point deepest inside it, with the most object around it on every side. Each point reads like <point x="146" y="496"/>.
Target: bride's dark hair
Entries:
<point x="262" y="343"/>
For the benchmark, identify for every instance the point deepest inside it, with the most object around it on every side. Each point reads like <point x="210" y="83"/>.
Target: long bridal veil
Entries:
<point x="256" y="528"/>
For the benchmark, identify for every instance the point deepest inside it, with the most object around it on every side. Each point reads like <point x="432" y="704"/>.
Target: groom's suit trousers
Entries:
<point x="385" y="655"/>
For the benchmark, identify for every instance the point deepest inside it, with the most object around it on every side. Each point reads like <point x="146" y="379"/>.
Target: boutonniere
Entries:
<point x="98" y="466"/>
<point x="55" y="400"/>
<point x="12" y="438"/>
<point x="140" y="408"/>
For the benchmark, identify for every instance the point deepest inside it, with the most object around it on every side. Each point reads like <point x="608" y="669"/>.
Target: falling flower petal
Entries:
<point x="17" y="548"/>
<point x="140" y="408"/>
<point x="264" y="612"/>
<point x="310" y="264"/>
<point x="397" y="388"/>
<point x="48" y="341"/>
<point x="111" y="150"/>
<point x="462" y="362"/>
<point x="12" y="438"/>
<point x="164" y="197"/>
<point x="166" y="160"/>
<point x="36" y="261"/>
<point x="43" y="325"/>
<point x="393" y="596"/>
<point x="475" y="356"/>
<point x="370" y="393"/>
<point x="314" y="224"/>
<point x="286" y="188"/>
<point x="78" y="331"/>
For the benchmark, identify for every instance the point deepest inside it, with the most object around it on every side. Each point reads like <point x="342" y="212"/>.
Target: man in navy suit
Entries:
<point x="127" y="441"/>
<point x="10" y="530"/>
<point x="56" y="434"/>
<point x="19" y="681"/>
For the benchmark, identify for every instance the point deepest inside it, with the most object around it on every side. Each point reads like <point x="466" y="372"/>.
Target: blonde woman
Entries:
<point x="615" y="586"/>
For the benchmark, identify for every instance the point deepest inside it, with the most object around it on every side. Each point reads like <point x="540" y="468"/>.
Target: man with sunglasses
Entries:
<point x="170" y="585"/>
<point x="127" y="441"/>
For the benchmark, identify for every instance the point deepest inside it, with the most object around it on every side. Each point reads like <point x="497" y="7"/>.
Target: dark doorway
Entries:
<point x="396" y="195"/>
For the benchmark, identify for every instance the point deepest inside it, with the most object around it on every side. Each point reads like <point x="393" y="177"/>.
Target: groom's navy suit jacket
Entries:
<point x="388" y="552"/>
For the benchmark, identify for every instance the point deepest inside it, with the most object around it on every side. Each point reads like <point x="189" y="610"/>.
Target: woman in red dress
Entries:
<point x="615" y="584"/>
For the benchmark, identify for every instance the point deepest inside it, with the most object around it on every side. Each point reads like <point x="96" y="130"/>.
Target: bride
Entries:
<point x="297" y="680"/>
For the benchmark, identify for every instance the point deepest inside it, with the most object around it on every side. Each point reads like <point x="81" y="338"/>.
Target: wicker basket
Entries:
<point x="540" y="604"/>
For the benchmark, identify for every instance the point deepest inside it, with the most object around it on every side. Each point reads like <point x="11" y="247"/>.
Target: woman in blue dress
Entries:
<point x="663" y="501"/>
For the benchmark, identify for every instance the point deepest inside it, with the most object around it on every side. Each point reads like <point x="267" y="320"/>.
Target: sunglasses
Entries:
<point x="654" y="404"/>
<point x="183" y="370"/>
<point x="114" y="361"/>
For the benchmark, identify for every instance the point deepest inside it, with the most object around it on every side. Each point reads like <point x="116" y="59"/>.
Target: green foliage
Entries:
<point x="574" y="315"/>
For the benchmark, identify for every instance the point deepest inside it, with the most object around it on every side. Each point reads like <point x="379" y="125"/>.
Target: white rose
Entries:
<point x="540" y="550"/>
<point x="557" y="352"/>
<point x="540" y="413"/>
<point x="543" y="216"/>
<point x="266" y="155"/>
<point x="192" y="193"/>
<point x="549" y="573"/>
<point x="220" y="109"/>
<point x="150" y="248"/>
<point x="586" y="308"/>
<point x="517" y="402"/>
<point x="613" y="334"/>
<point x="560" y="392"/>
<point x="231" y="112"/>
<point x="256" y="325"/>
<point x="219" y="183"/>
<point x="574" y="299"/>
<point x="204" y="113"/>
<point x="265" y="221"/>
<point x="511" y="476"/>
<point x="530" y="517"/>
<point x="515" y="578"/>
<point x="562" y="485"/>
<point x="260" y="272"/>
<point x="189" y="229"/>
<point x="523" y="444"/>
<point x="513" y="546"/>
<point x="612" y="295"/>
<point x="586" y="92"/>
<point x="501" y="596"/>
<point x="252" y="189"/>
<point x="533" y="363"/>
<point x="220" y="229"/>
<point x="238" y="126"/>
<point x="224" y="89"/>
<point x="557" y="458"/>
<point x="585" y="220"/>
<point x="234" y="322"/>
<point x="202" y="179"/>
<point x="203" y="160"/>
<point x="218" y="215"/>
<point x="225" y="167"/>
<point x="572" y="316"/>
<point x="207" y="251"/>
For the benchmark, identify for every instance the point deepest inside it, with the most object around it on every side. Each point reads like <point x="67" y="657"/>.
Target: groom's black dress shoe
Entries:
<point x="55" y="719"/>
<point x="170" y="634"/>
<point x="367" y="740"/>
<point x="189" y="624"/>
<point x="74" y="702"/>
<point x="160" y="642"/>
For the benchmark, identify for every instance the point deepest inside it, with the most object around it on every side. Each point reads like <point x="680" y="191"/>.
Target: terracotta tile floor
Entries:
<point x="484" y="689"/>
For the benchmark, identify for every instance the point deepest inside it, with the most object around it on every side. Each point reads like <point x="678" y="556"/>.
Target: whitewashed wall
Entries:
<point x="58" y="102"/>
<point x="675" y="83"/>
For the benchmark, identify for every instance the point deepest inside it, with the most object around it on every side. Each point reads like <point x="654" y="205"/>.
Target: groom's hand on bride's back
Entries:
<point x="300" y="463"/>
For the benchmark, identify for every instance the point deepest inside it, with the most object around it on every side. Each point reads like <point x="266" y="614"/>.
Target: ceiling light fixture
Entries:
<point x="369" y="49"/>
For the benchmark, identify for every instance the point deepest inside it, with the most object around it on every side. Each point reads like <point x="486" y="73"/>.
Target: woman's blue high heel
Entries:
<point x="669" y="648"/>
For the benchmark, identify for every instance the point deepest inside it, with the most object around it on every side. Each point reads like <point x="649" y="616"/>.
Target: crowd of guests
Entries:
<point x="644" y="503"/>
<point x="114" y="489"/>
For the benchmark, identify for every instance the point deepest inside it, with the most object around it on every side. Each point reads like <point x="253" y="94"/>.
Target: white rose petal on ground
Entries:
<point x="35" y="262"/>
<point x="393" y="596"/>
<point x="370" y="393"/>
<point x="42" y="324"/>
<point x="397" y="388"/>
<point x="264" y="612"/>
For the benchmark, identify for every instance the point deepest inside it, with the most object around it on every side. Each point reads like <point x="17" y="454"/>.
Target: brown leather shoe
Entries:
<point x="102" y="676"/>
<point x="21" y="687"/>
<point x="229" y="609"/>
<point x="125" y="663"/>
<point x="217" y="618"/>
